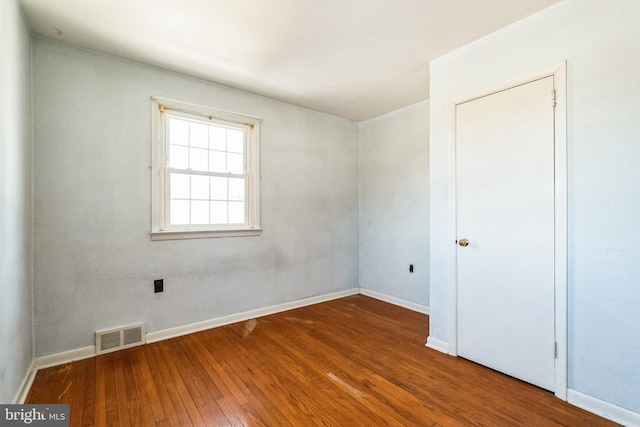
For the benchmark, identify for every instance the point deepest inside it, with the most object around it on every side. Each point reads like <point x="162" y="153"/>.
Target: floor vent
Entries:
<point x="120" y="338"/>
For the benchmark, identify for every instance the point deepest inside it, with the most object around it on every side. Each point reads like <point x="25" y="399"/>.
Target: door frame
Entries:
<point x="559" y="73"/>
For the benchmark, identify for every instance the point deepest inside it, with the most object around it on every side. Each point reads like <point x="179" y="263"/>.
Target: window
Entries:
<point x="205" y="172"/>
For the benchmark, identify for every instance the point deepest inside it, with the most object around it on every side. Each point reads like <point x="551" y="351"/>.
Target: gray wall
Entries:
<point x="599" y="40"/>
<point x="16" y="330"/>
<point x="394" y="204"/>
<point x="94" y="261"/>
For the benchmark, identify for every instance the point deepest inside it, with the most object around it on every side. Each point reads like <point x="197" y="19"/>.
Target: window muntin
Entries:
<point x="206" y="168"/>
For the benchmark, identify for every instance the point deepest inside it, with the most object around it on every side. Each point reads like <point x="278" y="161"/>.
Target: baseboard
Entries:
<point x="47" y="362"/>
<point x="241" y="317"/>
<point x="25" y="386"/>
<point x="64" y="357"/>
<point x="581" y="400"/>
<point x="604" y="409"/>
<point x="90" y="351"/>
<point x="395" y="301"/>
<point x="436" y="344"/>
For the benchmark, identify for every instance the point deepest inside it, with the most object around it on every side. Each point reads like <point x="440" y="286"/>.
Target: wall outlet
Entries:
<point x="158" y="285"/>
<point x="410" y="268"/>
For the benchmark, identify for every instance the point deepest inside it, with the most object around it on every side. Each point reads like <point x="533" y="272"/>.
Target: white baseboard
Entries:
<point x="584" y="401"/>
<point x="90" y="351"/>
<point x="47" y="362"/>
<point x="395" y="301"/>
<point x="25" y="386"/>
<point x="436" y="344"/>
<point x="602" y="408"/>
<point x="64" y="357"/>
<point x="240" y="317"/>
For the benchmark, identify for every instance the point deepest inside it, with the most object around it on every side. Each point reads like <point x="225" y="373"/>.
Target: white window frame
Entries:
<point x="160" y="228"/>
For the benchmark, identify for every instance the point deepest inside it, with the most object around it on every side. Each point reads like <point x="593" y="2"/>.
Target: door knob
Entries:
<point x="463" y="242"/>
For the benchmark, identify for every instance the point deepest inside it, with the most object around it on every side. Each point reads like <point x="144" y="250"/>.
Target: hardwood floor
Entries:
<point x="349" y="362"/>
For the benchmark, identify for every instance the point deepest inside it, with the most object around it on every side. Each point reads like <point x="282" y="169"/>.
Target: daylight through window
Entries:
<point x="205" y="172"/>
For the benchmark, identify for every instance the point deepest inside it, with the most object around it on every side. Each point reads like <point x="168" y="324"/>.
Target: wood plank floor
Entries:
<point x="355" y="361"/>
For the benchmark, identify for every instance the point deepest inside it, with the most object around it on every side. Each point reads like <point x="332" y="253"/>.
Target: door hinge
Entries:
<point x="553" y="98"/>
<point x="555" y="350"/>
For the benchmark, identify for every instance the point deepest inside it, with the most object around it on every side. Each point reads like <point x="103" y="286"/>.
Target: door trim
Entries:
<point x="559" y="73"/>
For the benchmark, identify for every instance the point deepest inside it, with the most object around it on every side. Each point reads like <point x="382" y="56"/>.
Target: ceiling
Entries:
<point x="355" y="59"/>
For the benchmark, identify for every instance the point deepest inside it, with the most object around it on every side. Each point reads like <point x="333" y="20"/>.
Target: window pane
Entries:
<point x="217" y="138"/>
<point x="235" y="163"/>
<point x="205" y="182"/>
<point x="179" y="157"/>
<point x="217" y="161"/>
<point x="199" y="212"/>
<point x="179" y="212"/>
<point x="218" y="212"/>
<point x="236" y="189"/>
<point x="198" y="159"/>
<point x="235" y="141"/>
<point x="236" y="213"/>
<point x="178" y="132"/>
<point x="179" y="186"/>
<point x="200" y="187"/>
<point x="198" y="135"/>
<point x="218" y="188"/>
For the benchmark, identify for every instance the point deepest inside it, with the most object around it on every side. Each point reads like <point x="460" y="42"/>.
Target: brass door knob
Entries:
<point x="463" y="242"/>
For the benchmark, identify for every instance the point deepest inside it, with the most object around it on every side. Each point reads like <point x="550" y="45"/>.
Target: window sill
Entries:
<point x="204" y="234"/>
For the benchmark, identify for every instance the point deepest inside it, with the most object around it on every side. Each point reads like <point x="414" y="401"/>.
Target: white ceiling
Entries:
<point x="355" y="59"/>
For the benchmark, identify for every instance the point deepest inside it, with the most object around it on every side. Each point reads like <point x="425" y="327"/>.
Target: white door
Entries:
<point x="505" y="209"/>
